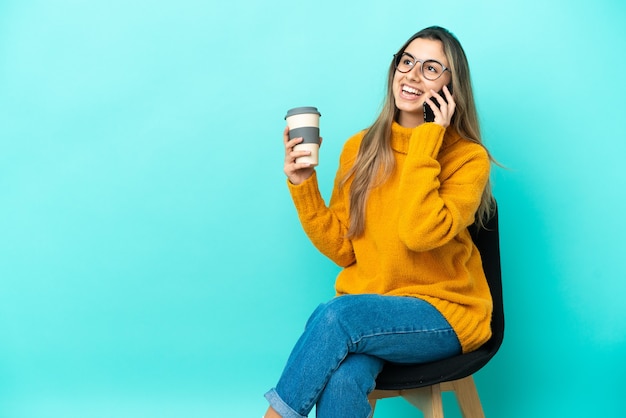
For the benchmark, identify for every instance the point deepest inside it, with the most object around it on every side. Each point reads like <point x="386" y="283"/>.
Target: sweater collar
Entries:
<point x="400" y="137"/>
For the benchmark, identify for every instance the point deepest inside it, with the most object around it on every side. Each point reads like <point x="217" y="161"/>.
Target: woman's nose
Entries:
<point x="415" y="73"/>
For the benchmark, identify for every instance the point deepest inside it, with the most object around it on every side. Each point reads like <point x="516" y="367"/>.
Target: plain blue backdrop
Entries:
<point x="151" y="261"/>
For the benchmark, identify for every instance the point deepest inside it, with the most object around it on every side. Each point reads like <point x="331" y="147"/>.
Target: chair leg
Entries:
<point x="427" y="399"/>
<point x="467" y="397"/>
<point x="376" y="394"/>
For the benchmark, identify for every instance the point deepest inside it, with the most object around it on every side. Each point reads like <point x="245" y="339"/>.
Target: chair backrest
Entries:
<point x="401" y="376"/>
<point x="488" y="242"/>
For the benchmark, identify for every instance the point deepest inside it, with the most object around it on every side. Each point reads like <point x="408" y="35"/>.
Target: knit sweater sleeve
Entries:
<point x="326" y="226"/>
<point x="438" y="206"/>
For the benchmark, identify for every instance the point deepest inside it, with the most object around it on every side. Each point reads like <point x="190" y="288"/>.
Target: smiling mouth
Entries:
<point x="411" y="91"/>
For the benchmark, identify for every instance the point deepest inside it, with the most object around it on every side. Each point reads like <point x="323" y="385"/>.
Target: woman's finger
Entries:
<point x="286" y="135"/>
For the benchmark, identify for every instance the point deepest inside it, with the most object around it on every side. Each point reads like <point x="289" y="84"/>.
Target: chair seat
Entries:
<point x="402" y="376"/>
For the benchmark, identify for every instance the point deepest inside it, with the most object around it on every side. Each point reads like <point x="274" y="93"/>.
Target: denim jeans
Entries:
<point x="346" y="341"/>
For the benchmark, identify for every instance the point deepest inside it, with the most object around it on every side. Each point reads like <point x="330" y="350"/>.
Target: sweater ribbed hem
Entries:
<point x="471" y="332"/>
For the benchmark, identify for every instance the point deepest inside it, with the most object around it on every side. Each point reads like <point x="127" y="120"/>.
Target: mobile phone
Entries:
<point x="429" y="115"/>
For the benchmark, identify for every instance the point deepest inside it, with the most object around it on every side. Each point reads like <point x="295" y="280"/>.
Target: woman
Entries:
<point x="412" y="287"/>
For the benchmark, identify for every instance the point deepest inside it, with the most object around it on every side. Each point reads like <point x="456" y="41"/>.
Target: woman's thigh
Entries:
<point x="397" y="329"/>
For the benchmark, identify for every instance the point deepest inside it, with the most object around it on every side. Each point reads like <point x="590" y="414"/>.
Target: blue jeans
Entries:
<point x="345" y="343"/>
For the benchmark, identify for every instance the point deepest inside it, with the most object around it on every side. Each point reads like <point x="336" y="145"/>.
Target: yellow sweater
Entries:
<point x="416" y="241"/>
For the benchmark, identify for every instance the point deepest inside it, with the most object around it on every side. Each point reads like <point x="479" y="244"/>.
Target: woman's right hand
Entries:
<point x="296" y="172"/>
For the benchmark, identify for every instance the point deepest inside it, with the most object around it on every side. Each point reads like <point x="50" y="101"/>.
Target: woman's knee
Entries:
<point x="338" y="309"/>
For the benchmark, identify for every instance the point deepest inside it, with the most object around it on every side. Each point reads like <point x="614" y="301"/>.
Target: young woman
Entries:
<point x="412" y="287"/>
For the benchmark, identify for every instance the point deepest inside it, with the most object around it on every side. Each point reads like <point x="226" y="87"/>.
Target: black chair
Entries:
<point x="422" y="384"/>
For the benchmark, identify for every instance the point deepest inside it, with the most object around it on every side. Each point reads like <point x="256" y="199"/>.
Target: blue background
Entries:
<point x="151" y="261"/>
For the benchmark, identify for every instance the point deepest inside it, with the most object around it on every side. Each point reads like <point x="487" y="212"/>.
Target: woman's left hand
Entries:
<point x="443" y="113"/>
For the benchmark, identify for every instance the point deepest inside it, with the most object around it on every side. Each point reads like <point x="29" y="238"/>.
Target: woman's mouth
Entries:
<point x="410" y="92"/>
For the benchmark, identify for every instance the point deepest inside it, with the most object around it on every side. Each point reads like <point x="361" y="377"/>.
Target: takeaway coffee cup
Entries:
<point x="305" y="122"/>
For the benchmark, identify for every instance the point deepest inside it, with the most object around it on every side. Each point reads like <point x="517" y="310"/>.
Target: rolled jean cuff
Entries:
<point x="280" y="406"/>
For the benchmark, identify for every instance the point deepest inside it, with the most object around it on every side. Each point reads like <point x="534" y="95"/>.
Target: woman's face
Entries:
<point x="412" y="88"/>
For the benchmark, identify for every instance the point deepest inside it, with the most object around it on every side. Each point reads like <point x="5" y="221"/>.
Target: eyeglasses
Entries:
<point x="430" y="69"/>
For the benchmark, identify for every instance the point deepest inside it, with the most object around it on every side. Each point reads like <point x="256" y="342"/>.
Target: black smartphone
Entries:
<point x="429" y="115"/>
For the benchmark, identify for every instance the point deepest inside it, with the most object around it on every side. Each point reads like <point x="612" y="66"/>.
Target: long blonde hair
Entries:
<point x="375" y="162"/>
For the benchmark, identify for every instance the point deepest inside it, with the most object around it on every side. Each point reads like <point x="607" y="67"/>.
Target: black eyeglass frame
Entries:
<point x="397" y="57"/>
